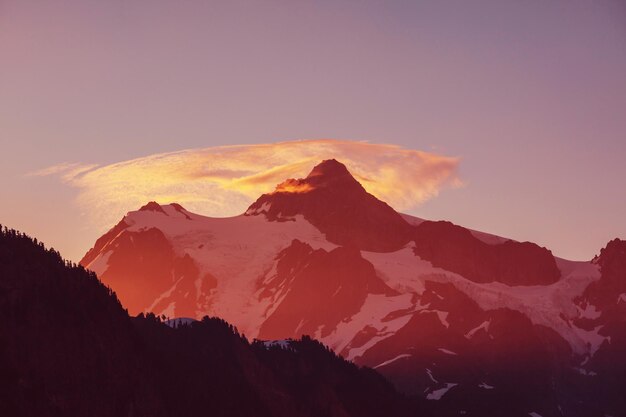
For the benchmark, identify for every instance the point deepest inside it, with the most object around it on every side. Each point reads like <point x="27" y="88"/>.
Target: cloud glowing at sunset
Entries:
<point x="293" y="186"/>
<point x="223" y="181"/>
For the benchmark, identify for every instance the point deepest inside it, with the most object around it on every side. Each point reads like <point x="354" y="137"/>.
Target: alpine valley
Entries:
<point x="460" y="321"/>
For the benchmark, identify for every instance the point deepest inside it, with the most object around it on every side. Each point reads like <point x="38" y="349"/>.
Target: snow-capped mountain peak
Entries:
<point x="415" y="299"/>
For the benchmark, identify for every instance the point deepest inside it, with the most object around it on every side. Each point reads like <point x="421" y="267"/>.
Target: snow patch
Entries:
<point x="585" y="372"/>
<point x="100" y="263"/>
<point x="283" y="344"/>
<point x="439" y="393"/>
<point x="593" y="339"/>
<point x="387" y="362"/>
<point x="589" y="312"/>
<point x="336" y="291"/>
<point x="430" y="375"/>
<point x="163" y="296"/>
<point x="265" y="208"/>
<point x="484" y="325"/>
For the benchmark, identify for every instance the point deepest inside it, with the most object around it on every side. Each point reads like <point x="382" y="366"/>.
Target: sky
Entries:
<point x="521" y="104"/>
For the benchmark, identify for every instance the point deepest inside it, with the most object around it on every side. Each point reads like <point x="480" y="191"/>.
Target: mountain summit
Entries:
<point x="333" y="201"/>
<point x="330" y="172"/>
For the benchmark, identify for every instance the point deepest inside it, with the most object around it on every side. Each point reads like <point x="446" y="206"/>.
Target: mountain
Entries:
<point x="68" y="348"/>
<point x="336" y="204"/>
<point x="465" y="321"/>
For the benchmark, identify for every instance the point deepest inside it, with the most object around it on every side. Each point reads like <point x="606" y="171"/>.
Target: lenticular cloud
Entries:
<point x="223" y="181"/>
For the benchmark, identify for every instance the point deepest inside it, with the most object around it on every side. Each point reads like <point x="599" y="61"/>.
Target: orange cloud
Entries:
<point x="293" y="186"/>
<point x="223" y="181"/>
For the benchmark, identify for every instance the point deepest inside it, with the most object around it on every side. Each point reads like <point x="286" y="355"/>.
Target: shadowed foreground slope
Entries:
<point x="68" y="348"/>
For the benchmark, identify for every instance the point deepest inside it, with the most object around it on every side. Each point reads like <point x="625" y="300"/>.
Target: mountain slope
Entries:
<point x="67" y="348"/>
<point x="429" y="304"/>
<point x="456" y="249"/>
<point x="62" y="335"/>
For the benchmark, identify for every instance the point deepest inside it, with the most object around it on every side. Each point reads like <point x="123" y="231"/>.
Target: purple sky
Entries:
<point x="531" y="95"/>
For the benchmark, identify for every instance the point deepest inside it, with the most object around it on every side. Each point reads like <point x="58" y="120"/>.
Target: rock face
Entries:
<point x="455" y="249"/>
<point x="338" y="206"/>
<point x="323" y="289"/>
<point x="467" y="321"/>
<point x="604" y="304"/>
